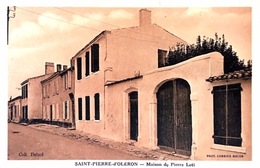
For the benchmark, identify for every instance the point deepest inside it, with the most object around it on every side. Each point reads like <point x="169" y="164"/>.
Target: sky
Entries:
<point x="55" y="34"/>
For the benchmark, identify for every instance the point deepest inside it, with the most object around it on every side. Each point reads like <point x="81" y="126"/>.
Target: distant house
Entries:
<point x="123" y="92"/>
<point x="58" y="97"/>
<point x="14" y="109"/>
<point x="31" y="100"/>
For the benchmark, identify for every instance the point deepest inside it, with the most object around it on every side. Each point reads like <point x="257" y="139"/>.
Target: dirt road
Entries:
<point x="25" y="143"/>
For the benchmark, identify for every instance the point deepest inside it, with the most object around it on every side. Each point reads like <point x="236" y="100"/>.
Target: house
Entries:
<point x="58" y="97"/>
<point x="123" y="92"/>
<point x="115" y="55"/>
<point x="14" y="109"/>
<point x="31" y="100"/>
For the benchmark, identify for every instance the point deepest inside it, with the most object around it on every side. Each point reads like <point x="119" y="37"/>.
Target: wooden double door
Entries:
<point x="174" y="122"/>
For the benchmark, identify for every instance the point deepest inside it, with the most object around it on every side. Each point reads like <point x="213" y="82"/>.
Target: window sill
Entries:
<point x="229" y="148"/>
<point x="95" y="72"/>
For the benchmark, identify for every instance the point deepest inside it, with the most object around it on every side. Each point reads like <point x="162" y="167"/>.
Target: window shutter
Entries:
<point x="68" y="109"/>
<point x="161" y="58"/>
<point x="95" y="57"/>
<point x="63" y="110"/>
<point x="227" y="114"/>
<point x="87" y="105"/>
<point x="69" y="79"/>
<point x="80" y="108"/>
<point x="97" y="106"/>
<point x="57" y="111"/>
<point x="87" y="63"/>
<point x="53" y="111"/>
<point x="234" y="114"/>
<point x="79" y="68"/>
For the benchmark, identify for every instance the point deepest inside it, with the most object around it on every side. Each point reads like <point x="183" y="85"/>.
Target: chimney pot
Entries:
<point x="58" y="67"/>
<point x="65" y="67"/>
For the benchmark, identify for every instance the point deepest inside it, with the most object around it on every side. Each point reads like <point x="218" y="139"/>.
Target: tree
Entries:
<point x="231" y="61"/>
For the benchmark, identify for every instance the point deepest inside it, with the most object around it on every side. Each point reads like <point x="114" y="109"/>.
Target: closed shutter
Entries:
<point x="87" y="64"/>
<point x="80" y="108"/>
<point x="95" y="57"/>
<point x="97" y="106"/>
<point x="87" y="105"/>
<point x="227" y="115"/>
<point x="79" y="68"/>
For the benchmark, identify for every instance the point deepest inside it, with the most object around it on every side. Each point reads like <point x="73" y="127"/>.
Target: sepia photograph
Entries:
<point x="129" y="86"/>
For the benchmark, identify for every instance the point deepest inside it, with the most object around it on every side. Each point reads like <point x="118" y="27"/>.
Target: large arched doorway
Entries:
<point x="174" y="125"/>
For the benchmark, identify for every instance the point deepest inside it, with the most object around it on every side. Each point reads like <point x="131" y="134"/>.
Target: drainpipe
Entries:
<point x="106" y="69"/>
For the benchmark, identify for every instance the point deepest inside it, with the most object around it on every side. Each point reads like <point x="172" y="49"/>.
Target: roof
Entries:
<point x="90" y="43"/>
<point x="16" y="98"/>
<point x="124" y="80"/>
<point x="27" y="80"/>
<point x="241" y="74"/>
<point x="52" y="76"/>
<point x="119" y="29"/>
<point x="56" y="74"/>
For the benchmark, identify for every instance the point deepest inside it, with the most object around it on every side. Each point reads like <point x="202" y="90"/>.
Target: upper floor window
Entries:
<point x="65" y="81"/>
<point x="25" y="91"/>
<point x="227" y="114"/>
<point x="162" y="58"/>
<point x="79" y="68"/>
<point x="95" y="58"/>
<point x="87" y="63"/>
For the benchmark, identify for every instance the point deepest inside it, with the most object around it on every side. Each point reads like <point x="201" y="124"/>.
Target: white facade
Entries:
<point x="128" y="63"/>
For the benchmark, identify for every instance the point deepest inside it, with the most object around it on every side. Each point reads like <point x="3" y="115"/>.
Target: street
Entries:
<point x="26" y="143"/>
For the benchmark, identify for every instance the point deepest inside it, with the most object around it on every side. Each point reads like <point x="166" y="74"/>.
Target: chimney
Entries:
<point x="49" y="67"/>
<point x="65" y="67"/>
<point x="145" y="17"/>
<point x="58" y="67"/>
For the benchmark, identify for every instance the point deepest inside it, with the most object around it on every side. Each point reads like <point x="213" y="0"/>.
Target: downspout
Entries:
<point x="105" y="70"/>
<point x="42" y="101"/>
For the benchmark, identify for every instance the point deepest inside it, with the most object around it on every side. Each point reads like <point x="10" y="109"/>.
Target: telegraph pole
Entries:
<point x="8" y="17"/>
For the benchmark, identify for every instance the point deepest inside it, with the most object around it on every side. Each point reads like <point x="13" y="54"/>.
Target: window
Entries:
<point x="95" y="57"/>
<point x="57" y="111"/>
<point x="227" y="114"/>
<point x="25" y="112"/>
<point x="65" y="81"/>
<point x="54" y="88"/>
<point x="87" y="105"/>
<point x="69" y="82"/>
<point x="87" y="63"/>
<point x="44" y="91"/>
<point x="25" y="91"/>
<point x="79" y="68"/>
<point x="15" y="112"/>
<point x="97" y="106"/>
<point x="53" y="111"/>
<point x="66" y="110"/>
<point x="80" y="108"/>
<point x="161" y="58"/>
